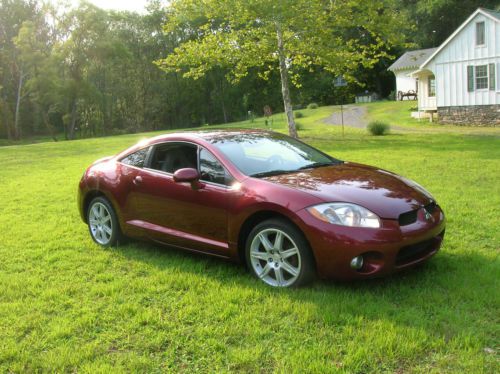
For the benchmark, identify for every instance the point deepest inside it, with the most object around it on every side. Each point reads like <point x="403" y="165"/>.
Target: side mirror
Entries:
<point x="189" y="175"/>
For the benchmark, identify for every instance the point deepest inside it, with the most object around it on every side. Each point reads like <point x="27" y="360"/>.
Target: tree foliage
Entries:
<point x="435" y="20"/>
<point x="288" y="36"/>
<point x="83" y="71"/>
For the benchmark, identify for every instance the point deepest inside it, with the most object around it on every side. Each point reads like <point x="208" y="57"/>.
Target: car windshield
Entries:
<point x="265" y="154"/>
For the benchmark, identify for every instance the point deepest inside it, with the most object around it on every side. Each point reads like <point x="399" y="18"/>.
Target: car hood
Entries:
<point x="384" y="193"/>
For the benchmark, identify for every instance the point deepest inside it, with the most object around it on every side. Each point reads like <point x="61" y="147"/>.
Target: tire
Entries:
<point x="278" y="254"/>
<point x="103" y="223"/>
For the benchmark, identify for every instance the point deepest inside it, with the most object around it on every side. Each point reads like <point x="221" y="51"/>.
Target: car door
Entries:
<point x="177" y="213"/>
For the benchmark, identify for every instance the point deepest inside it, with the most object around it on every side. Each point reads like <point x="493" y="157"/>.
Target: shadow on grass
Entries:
<point x="443" y="297"/>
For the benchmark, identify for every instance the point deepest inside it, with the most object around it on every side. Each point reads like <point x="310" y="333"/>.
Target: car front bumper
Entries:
<point x="385" y="250"/>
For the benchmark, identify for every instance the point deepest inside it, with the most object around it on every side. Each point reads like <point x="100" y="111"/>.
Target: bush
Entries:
<point x="378" y="128"/>
<point x="392" y="96"/>
<point x="299" y="115"/>
<point x="299" y="126"/>
<point x="312" y="106"/>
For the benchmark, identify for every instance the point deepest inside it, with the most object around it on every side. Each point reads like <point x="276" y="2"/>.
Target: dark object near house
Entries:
<point x="410" y="94"/>
<point x="287" y="210"/>
<point x="366" y="97"/>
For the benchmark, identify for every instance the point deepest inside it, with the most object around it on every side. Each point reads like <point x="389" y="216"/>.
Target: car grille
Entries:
<point x="413" y="252"/>
<point x="410" y="217"/>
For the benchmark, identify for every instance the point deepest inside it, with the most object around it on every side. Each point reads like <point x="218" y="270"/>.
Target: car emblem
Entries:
<point x="427" y="215"/>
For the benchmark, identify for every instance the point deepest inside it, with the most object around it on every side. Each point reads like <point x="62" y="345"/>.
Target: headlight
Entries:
<point x="345" y="214"/>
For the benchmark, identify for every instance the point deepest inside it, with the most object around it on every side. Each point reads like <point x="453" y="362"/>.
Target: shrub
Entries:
<point x="312" y="106"/>
<point x="378" y="128"/>
<point x="299" y="126"/>
<point x="392" y="96"/>
<point x="299" y="115"/>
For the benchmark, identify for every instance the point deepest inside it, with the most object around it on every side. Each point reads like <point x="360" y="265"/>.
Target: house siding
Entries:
<point x="450" y="65"/>
<point x="404" y="82"/>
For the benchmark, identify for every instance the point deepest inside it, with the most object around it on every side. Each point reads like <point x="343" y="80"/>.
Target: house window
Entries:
<point x="431" y="84"/>
<point x="480" y="33"/>
<point x="481" y="77"/>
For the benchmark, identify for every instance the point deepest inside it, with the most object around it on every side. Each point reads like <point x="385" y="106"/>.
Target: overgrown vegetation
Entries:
<point x="83" y="72"/>
<point x="378" y="128"/>
<point x="67" y="305"/>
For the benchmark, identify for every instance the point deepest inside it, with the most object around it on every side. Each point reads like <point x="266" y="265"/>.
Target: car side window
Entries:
<point x="170" y="157"/>
<point x="137" y="158"/>
<point x="211" y="169"/>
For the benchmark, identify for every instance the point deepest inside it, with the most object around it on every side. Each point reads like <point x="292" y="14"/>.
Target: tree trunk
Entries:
<point x="17" y="131"/>
<point x="5" y="110"/>
<point x="49" y="126"/>
<point x="71" y="130"/>
<point x="285" y="87"/>
<point x="224" y="112"/>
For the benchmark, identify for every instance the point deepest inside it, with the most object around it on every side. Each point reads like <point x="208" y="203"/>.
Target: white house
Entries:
<point x="404" y="66"/>
<point x="460" y="80"/>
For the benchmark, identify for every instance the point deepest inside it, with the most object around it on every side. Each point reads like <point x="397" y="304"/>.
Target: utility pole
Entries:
<point x="341" y="82"/>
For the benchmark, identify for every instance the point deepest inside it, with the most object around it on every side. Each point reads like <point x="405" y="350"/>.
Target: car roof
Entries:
<point x="210" y="136"/>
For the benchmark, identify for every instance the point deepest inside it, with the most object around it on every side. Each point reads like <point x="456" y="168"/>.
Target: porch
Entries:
<point x="426" y="82"/>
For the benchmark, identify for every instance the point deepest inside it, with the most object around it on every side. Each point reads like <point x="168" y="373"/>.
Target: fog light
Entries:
<point x="357" y="262"/>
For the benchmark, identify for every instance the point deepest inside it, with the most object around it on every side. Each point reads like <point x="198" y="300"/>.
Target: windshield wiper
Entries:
<point x="317" y="165"/>
<point x="281" y="171"/>
<point x="271" y="173"/>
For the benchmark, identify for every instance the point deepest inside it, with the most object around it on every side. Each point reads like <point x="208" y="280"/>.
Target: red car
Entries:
<point x="286" y="209"/>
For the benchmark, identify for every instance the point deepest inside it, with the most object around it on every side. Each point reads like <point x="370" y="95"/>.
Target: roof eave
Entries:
<point x="405" y="68"/>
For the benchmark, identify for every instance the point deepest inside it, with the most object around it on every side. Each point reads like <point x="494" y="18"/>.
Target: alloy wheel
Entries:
<point x="100" y="223"/>
<point x="275" y="257"/>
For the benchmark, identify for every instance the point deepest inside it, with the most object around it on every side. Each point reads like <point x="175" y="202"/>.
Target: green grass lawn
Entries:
<point x="398" y="114"/>
<point x="68" y="305"/>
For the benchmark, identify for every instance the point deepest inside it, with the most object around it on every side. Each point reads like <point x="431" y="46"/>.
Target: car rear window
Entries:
<point x="137" y="158"/>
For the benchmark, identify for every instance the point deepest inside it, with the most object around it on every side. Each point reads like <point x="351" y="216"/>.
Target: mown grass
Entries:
<point x="68" y="305"/>
<point x="398" y="114"/>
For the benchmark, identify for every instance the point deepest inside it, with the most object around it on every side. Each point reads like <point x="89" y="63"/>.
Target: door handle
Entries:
<point x="137" y="180"/>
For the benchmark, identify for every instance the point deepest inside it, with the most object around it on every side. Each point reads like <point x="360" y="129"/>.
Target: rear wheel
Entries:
<point x="278" y="254"/>
<point x="103" y="223"/>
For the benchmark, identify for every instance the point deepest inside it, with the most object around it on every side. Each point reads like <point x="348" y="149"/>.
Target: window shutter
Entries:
<point x="498" y="77"/>
<point x="492" y="77"/>
<point x="470" y="78"/>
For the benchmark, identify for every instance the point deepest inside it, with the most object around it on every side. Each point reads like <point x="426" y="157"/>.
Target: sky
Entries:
<point x="132" y="5"/>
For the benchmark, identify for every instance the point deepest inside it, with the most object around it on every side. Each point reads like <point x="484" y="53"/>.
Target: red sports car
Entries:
<point x="286" y="209"/>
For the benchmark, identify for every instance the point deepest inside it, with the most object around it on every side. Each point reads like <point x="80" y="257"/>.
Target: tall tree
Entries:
<point x="435" y="20"/>
<point x="285" y="35"/>
<point x="12" y="15"/>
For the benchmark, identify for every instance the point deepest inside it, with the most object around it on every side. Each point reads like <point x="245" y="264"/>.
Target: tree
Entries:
<point x="239" y="35"/>
<point x="437" y="19"/>
<point x="13" y="73"/>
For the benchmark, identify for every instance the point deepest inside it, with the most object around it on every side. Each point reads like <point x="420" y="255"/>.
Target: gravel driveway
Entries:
<point x="354" y="116"/>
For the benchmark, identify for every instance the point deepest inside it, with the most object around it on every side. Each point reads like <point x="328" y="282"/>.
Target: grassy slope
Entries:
<point x="398" y="113"/>
<point x="68" y="305"/>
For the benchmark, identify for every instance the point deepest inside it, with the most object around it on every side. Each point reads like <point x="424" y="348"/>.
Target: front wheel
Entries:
<point x="103" y="223"/>
<point x="278" y="254"/>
